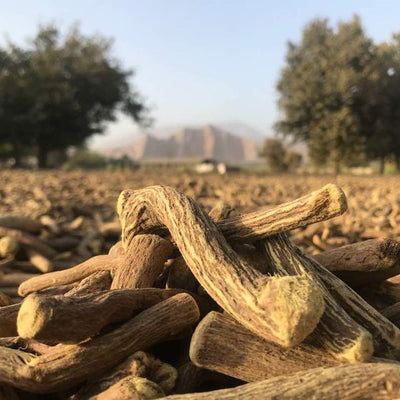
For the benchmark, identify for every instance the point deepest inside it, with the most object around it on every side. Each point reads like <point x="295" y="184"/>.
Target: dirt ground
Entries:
<point x="91" y="196"/>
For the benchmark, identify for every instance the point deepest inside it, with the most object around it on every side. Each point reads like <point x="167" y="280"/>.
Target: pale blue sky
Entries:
<point x="198" y="61"/>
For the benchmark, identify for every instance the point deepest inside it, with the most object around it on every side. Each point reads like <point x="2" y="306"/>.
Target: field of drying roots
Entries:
<point x="87" y="200"/>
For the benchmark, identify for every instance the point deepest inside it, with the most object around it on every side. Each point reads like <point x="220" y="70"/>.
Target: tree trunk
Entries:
<point x="16" y="154"/>
<point x="337" y="167"/>
<point x="397" y="162"/>
<point x="17" y="160"/>
<point x="42" y="154"/>
<point x="381" y="165"/>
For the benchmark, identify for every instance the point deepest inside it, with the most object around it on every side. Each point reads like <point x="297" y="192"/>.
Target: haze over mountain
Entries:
<point x="242" y="130"/>
<point x="236" y="128"/>
<point x="128" y="133"/>
<point x="193" y="144"/>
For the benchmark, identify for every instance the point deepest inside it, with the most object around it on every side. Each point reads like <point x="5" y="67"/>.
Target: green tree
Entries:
<point x="83" y="158"/>
<point x="382" y="116"/>
<point x="65" y="89"/>
<point x="274" y="153"/>
<point x="320" y="91"/>
<point x="14" y="102"/>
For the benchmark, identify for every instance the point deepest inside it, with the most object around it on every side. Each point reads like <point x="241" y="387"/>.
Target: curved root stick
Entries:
<point x="283" y="310"/>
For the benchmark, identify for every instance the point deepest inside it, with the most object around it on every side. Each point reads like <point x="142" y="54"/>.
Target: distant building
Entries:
<point x="206" y="166"/>
<point x="209" y="165"/>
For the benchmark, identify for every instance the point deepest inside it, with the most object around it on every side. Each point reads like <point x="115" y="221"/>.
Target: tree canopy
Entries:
<point x="274" y="153"/>
<point x="61" y="89"/>
<point x="278" y="157"/>
<point x="339" y="92"/>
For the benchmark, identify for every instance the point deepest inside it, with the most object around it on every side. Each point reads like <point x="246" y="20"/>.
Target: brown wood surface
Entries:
<point x="67" y="365"/>
<point x="337" y="332"/>
<point x="143" y="262"/>
<point x="75" y="318"/>
<point x="29" y="240"/>
<point x="94" y="283"/>
<point x="385" y="334"/>
<point x="71" y="275"/>
<point x="346" y="382"/>
<point x="139" y="364"/>
<point x="320" y="205"/>
<point x="363" y="262"/>
<point x="283" y="310"/>
<point x="221" y="344"/>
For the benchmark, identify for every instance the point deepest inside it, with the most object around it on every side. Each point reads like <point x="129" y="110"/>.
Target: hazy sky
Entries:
<point x="198" y="61"/>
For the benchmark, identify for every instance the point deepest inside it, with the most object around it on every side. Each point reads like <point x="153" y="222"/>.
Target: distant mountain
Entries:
<point x="187" y="144"/>
<point x="242" y="130"/>
<point x="236" y="128"/>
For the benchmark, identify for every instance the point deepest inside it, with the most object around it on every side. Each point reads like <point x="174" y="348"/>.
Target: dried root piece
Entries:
<point x="50" y="224"/>
<point x="9" y="313"/>
<point x="11" y="291"/>
<point x="8" y="319"/>
<point x="320" y="205"/>
<point x="63" y="243"/>
<point x="222" y="211"/>
<point x="337" y="332"/>
<point x="283" y="310"/>
<point x="143" y="262"/>
<point x="385" y="334"/>
<point x="94" y="283"/>
<point x="15" y="278"/>
<point x="221" y="344"/>
<point x="179" y="275"/>
<point x="5" y="300"/>
<point x="323" y="204"/>
<point x="346" y="382"/>
<point x="189" y="378"/>
<point x="194" y="379"/>
<point x="66" y="365"/>
<point x="110" y="229"/>
<point x="8" y="247"/>
<point x="75" y="318"/>
<point x="8" y="262"/>
<point x="27" y="345"/>
<point x="116" y="250"/>
<point x="29" y="240"/>
<point x="71" y="275"/>
<point x="390" y="290"/>
<point x="392" y="313"/>
<point x="364" y="262"/>
<point x="42" y="263"/>
<point x="140" y="364"/>
<point x="131" y="388"/>
<point x="21" y="223"/>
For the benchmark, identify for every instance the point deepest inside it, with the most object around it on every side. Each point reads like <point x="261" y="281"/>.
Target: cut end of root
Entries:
<point x="335" y="198"/>
<point x="361" y="350"/>
<point x="122" y="199"/>
<point x="295" y="304"/>
<point x="31" y="317"/>
<point x="144" y="388"/>
<point x="22" y="289"/>
<point x="390" y="248"/>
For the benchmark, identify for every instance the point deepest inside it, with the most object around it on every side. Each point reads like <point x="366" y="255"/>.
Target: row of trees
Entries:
<point x="59" y="90"/>
<point x="339" y="92"/>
